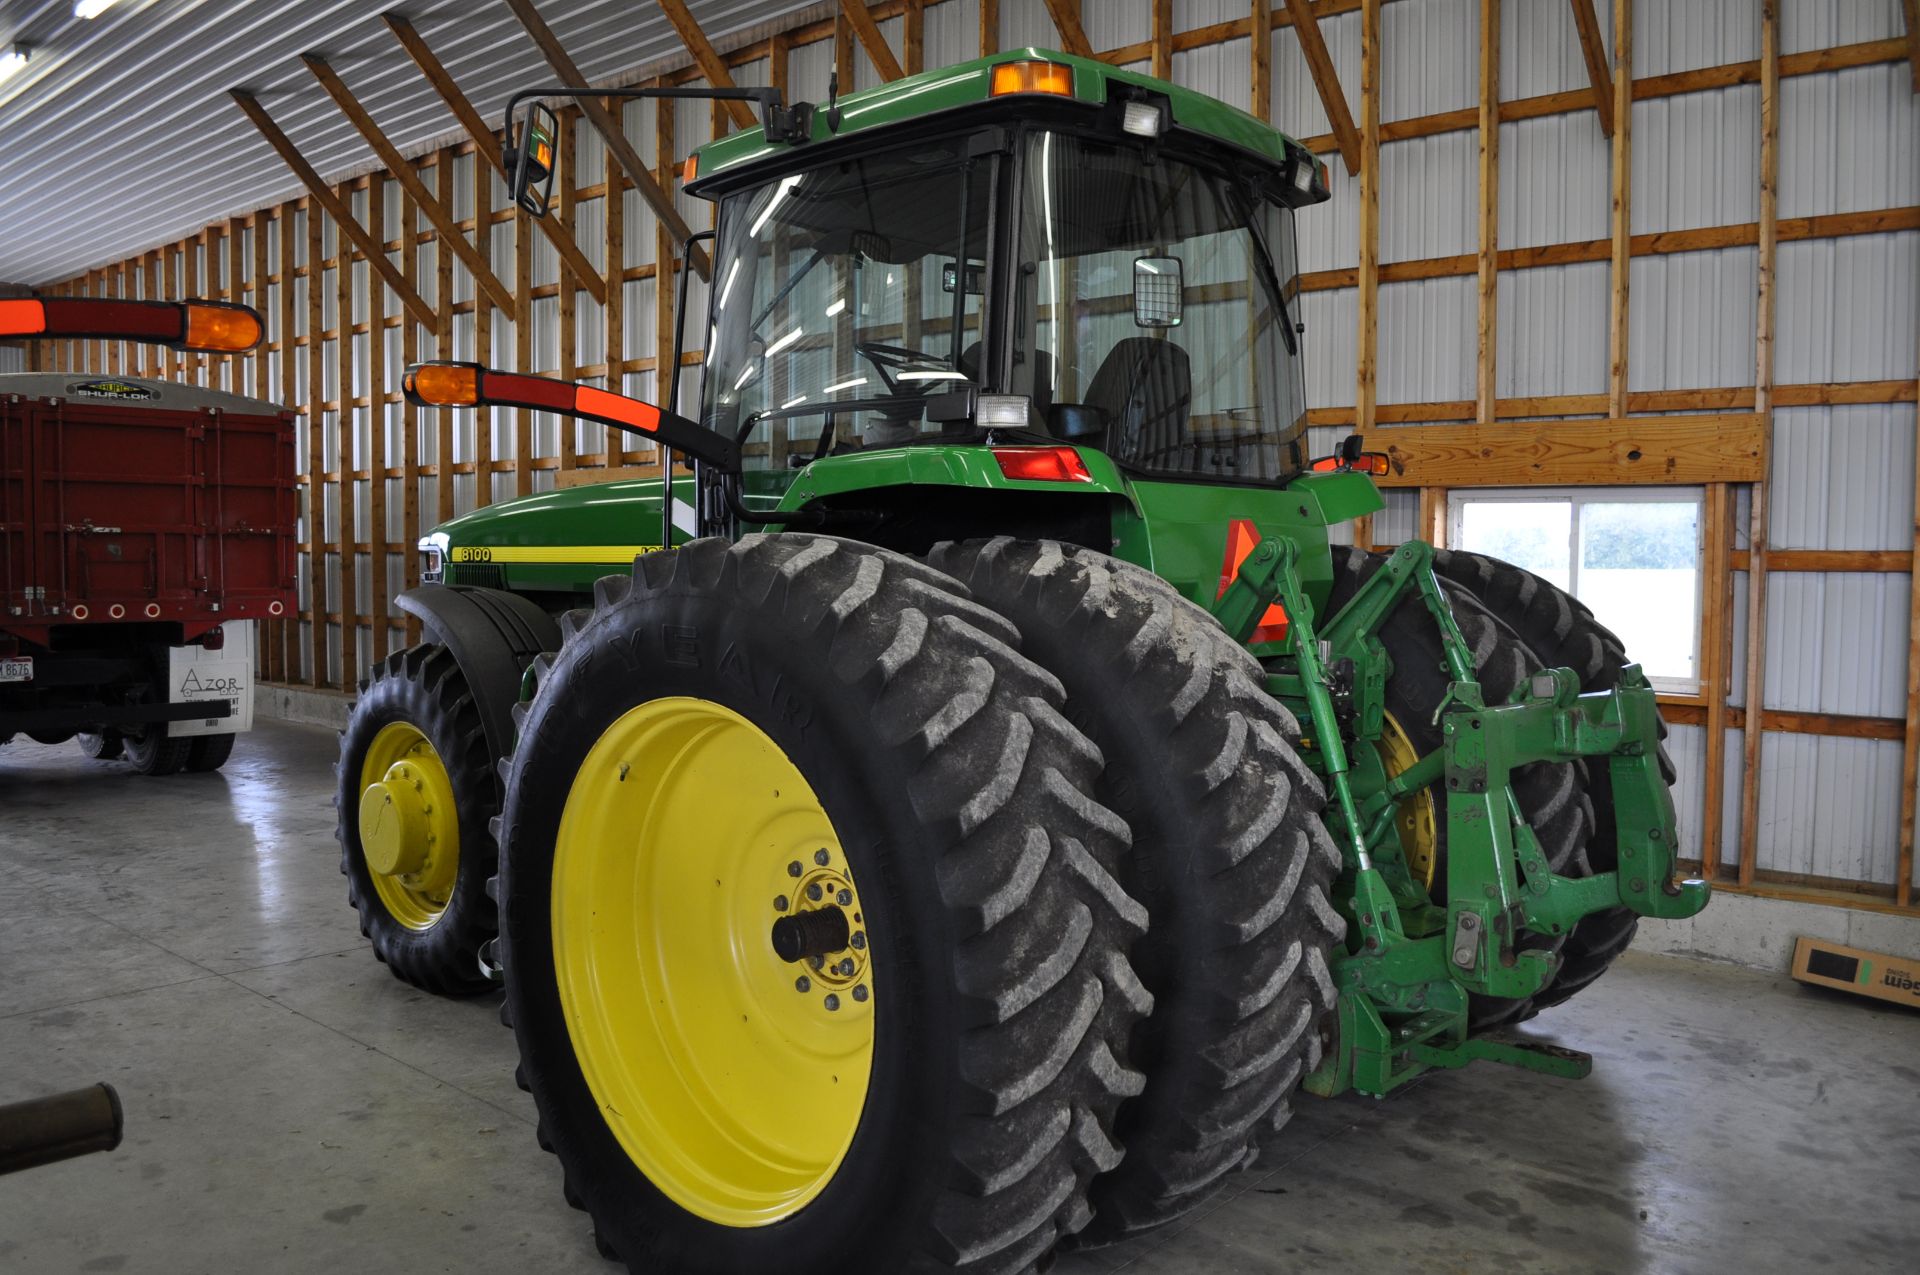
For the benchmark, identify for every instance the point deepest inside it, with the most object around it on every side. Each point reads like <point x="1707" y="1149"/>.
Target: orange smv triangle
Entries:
<point x="1242" y="536"/>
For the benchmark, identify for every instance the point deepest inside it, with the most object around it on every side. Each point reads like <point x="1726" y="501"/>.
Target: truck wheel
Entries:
<point x="1553" y="797"/>
<point x="1229" y="855"/>
<point x="415" y="792"/>
<point x="813" y="951"/>
<point x="153" y="752"/>
<point x="209" y="752"/>
<point x="1564" y="634"/>
<point x="102" y="747"/>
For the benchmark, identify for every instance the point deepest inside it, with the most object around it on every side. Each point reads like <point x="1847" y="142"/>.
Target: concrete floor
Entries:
<point x="291" y="1107"/>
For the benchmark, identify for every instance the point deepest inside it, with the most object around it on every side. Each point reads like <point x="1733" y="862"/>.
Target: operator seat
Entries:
<point x="1145" y="388"/>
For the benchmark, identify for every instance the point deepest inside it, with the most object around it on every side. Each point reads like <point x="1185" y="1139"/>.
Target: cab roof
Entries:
<point x="919" y="96"/>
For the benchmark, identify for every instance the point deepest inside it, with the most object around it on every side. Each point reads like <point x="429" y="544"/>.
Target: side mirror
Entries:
<point x="530" y="161"/>
<point x="1159" y="292"/>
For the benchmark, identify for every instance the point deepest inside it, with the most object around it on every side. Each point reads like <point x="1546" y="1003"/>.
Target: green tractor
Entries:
<point x="983" y="798"/>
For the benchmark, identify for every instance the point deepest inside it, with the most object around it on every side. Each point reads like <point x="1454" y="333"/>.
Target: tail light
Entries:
<point x="1042" y="464"/>
<point x="215" y="638"/>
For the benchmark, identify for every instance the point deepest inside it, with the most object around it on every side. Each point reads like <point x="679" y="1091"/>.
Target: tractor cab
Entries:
<point x="1064" y="254"/>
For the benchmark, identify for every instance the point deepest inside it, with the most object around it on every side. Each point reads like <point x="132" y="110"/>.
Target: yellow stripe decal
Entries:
<point x="550" y="553"/>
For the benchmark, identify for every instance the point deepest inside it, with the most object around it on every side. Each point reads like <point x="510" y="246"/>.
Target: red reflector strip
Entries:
<point x="1042" y="464"/>
<point x="538" y="392"/>
<point x="617" y="407"/>
<point x="22" y="318"/>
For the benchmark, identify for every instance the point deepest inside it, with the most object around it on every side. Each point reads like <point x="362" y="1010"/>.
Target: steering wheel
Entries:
<point x="888" y="359"/>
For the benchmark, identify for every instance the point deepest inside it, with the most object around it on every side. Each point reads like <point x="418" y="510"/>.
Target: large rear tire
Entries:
<point x="1564" y="634"/>
<point x="1229" y="855"/>
<point x="414" y="792"/>
<point x="1552" y="796"/>
<point x="731" y="726"/>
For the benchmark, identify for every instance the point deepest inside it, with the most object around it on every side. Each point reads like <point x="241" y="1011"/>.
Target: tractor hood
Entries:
<point x="559" y="541"/>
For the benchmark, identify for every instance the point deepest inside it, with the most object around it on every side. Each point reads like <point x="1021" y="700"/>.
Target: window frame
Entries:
<point x="1458" y="499"/>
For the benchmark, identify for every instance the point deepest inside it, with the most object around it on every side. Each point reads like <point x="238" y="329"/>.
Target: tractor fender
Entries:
<point x="493" y="635"/>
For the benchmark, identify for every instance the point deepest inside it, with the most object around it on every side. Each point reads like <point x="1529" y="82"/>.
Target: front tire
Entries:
<point x="729" y="714"/>
<point x="1229" y="855"/>
<point x="414" y="792"/>
<point x="106" y="746"/>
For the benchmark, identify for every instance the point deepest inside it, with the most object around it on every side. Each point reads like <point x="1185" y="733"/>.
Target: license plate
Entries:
<point x="18" y="669"/>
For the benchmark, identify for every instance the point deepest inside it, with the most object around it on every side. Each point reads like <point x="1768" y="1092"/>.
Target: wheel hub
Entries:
<point x="395" y="822"/>
<point x="820" y="921"/>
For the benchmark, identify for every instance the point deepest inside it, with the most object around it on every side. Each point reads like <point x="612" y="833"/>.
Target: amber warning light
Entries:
<point x="1032" y="77"/>
<point x="202" y="327"/>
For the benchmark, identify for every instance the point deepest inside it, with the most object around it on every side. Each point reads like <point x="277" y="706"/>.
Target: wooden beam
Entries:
<point x="568" y="306"/>
<point x="1716" y="657"/>
<point x="486" y="144"/>
<point x="1487" y="259"/>
<point x="989" y="27"/>
<point x="443" y="294"/>
<point x="316" y="448"/>
<point x="483" y="334"/>
<point x="377" y="424"/>
<point x="913" y="26"/>
<point x="1066" y="20"/>
<point x="625" y="157"/>
<point x="1893" y="561"/>
<point x="712" y="66"/>
<point x="1306" y="26"/>
<point x="1763" y="405"/>
<point x="409" y="178"/>
<point x="1595" y="52"/>
<point x="410" y="527"/>
<point x="1162" y="28"/>
<point x="868" y="31"/>
<point x="319" y="194"/>
<point x="1911" y="8"/>
<point x="1621" y="254"/>
<point x="1261" y="46"/>
<point x="1677" y="450"/>
<point x="1367" y="362"/>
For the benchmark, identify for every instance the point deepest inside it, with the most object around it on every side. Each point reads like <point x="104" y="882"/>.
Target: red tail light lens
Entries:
<point x="1042" y="464"/>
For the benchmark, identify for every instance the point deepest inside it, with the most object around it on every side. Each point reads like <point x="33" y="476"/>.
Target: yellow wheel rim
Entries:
<point x="1415" y="820"/>
<point x="733" y="1079"/>
<point x="409" y="826"/>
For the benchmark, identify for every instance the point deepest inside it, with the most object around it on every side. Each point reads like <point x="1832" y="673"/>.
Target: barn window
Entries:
<point x="1632" y="555"/>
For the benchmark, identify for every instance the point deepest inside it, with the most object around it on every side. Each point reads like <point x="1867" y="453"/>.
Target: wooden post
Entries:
<point x="377" y="425"/>
<point x="1716" y="650"/>
<point x="410" y="527"/>
<point x="1762" y="404"/>
<point x="1162" y="39"/>
<point x="1622" y="248"/>
<point x="990" y="27"/>
<point x="1306" y="29"/>
<point x="443" y="298"/>
<point x="482" y="331"/>
<point x="616" y="218"/>
<point x="1489" y="254"/>
<point x="286" y="665"/>
<point x="349" y="435"/>
<point x="316" y="453"/>
<point x="1260" y="43"/>
<point x="1366" y="363"/>
<point x="569" y="298"/>
<point x="663" y="269"/>
<point x="522" y="344"/>
<point x="1595" y="53"/>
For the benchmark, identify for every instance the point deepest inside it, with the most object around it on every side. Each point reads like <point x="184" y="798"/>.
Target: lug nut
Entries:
<point x="814" y="892"/>
<point x="859" y="942"/>
<point x="832" y="1001"/>
<point x="860" y="992"/>
<point x="846" y="967"/>
<point x="844" y="898"/>
<point x="821" y="857"/>
<point x="793" y="869"/>
<point x="803" y="984"/>
<point x="780" y="903"/>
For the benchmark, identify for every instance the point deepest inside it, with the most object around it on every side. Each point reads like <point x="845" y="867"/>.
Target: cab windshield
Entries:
<point x="1156" y="318"/>
<point x="847" y="301"/>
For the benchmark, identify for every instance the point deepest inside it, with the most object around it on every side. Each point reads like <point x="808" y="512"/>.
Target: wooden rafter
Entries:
<point x="1306" y="27"/>
<point x="487" y="144"/>
<point x="1066" y="19"/>
<point x="604" y="119"/>
<point x="711" y="64"/>
<point x="860" y="18"/>
<point x="1588" y="25"/>
<point x="319" y="193"/>
<point x="409" y="179"/>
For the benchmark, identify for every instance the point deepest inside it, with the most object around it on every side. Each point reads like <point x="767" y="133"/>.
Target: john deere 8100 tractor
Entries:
<point x="961" y="814"/>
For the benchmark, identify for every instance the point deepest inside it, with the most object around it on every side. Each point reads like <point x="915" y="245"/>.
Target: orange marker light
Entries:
<point x="691" y="168"/>
<point x="444" y="384"/>
<point x="221" y="329"/>
<point x="22" y="318"/>
<point x="1042" y="464"/>
<point x="1032" y="77"/>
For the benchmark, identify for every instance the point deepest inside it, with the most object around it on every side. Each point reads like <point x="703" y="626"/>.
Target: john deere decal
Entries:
<point x="121" y="391"/>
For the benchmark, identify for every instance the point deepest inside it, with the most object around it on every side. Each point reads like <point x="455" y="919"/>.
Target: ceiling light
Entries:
<point x="12" y="60"/>
<point x="91" y="8"/>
